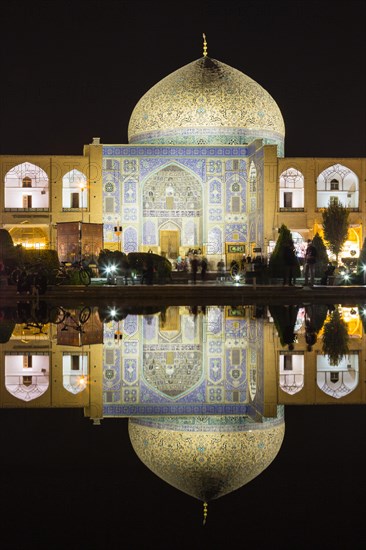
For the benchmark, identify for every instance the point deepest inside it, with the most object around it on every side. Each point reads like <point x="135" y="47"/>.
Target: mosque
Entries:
<point x="205" y="168"/>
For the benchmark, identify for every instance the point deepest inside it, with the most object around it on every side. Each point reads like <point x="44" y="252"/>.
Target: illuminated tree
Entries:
<point x="335" y="338"/>
<point x="335" y="227"/>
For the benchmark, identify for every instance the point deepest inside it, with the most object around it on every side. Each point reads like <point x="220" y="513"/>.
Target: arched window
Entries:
<point x="292" y="372"/>
<point x="74" y="190"/>
<point x="27" y="187"/>
<point x="291" y="189"/>
<point x="27" y="376"/>
<point x="337" y="184"/>
<point x="340" y="380"/>
<point x="75" y="372"/>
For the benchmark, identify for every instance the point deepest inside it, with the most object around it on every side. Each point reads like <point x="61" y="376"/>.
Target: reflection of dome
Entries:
<point x="206" y="457"/>
<point x="206" y="102"/>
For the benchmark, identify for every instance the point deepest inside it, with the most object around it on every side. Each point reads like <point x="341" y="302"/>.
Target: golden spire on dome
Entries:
<point x="204" y="45"/>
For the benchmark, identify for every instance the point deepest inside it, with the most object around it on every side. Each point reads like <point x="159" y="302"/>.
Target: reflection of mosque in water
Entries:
<point x="204" y="388"/>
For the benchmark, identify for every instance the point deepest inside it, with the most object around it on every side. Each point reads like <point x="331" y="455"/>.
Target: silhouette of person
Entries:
<point x="194" y="268"/>
<point x="148" y="273"/>
<point x="310" y="261"/>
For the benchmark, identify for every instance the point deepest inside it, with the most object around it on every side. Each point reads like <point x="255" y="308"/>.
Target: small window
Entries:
<point x="334" y="377"/>
<point x="74" y="200"/>
<point x="333" y="200"/>
<point x="26" y="182"/>
<point x="287" y="362"/>
<point x="334" y="185"/>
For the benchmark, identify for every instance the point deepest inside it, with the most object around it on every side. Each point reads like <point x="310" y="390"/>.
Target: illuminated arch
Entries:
<point x="340" y="183"/>
<point x="26" y="185"/>
<point x="291" y="189"/>
<point x="337" y="381"/>
<point x="27" y="376"/>
<point x="74" y="190"/>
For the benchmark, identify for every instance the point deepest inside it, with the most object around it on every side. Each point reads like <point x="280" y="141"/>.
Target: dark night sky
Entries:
<point x="75" y="70"/>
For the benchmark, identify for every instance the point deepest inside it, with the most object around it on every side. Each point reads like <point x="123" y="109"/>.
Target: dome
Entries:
<point x="206" y="457"/>
<point x="206" y="102"/>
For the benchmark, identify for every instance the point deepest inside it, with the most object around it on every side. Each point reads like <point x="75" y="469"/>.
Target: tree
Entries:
<point x="335" y="226"/>
<point x="321" y="255"/>
<point x="276" y="263"/>
<point x="7" y="250"/>
<point x="335" y="338"/>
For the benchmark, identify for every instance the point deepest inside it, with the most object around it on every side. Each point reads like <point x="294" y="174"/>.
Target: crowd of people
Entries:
<point x="194" y="263"/>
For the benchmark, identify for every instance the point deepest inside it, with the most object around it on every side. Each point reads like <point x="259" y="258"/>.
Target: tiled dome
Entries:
<point x="206" y="102"/>
<point x="206" y="457"/>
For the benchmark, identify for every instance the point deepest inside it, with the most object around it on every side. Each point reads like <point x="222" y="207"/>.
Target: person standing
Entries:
<point x="310" y="261"/>
<point x="194" y="268"/>
<point x="221" y="270"/>
<point x="204" y="265"/>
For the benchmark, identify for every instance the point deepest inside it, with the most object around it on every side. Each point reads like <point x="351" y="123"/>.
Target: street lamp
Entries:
<point x="82" y="188"/>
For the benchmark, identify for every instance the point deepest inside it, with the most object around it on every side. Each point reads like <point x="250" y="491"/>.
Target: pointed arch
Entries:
<point x="291" y="189"/>
<point x="27" y="376"/>
<point x="292" y="372"/>
<point x="173" y="194"/>
<point x="75" y="372"/>
<point x="26" y="185"/>
<point x="74" y="190"/>
<point x="340" y="380"/>
<point x="340" y="182"/>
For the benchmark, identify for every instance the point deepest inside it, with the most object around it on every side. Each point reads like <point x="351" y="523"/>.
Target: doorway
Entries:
<point x="169" y="243"/>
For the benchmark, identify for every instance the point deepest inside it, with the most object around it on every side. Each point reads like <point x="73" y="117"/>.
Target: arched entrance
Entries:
<point x="172" y="212"/>
<point x="169" y="242"/>
<point x="30" y="236"/>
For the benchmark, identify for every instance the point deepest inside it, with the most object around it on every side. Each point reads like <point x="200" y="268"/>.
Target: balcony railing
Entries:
<point x="26" y="209"/>
<point x="291" y="209"/>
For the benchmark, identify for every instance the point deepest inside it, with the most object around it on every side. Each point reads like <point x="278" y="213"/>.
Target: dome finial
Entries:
<point x="205" y="506"/>
<point x="204" y="45"/>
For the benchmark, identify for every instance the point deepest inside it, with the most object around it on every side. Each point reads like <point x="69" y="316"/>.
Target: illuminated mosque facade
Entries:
<point x="204" y="169"/>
